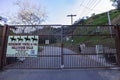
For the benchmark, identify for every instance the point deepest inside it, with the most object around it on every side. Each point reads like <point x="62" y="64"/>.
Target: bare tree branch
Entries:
<point x="28" y="13"/>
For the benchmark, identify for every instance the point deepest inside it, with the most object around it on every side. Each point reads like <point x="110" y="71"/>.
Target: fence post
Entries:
<point x="3" y="46"/>
<point x="117" y="41"/>
<point x="62" y="54"/>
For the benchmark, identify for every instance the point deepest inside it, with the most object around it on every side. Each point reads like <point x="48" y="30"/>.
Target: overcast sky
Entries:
<point x="57" y="10"/>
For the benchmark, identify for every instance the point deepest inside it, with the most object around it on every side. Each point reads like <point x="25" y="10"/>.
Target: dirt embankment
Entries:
<point x="116" y="20"/>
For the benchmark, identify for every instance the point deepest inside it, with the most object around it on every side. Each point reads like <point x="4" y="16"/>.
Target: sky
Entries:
<point x="57" y="10"/>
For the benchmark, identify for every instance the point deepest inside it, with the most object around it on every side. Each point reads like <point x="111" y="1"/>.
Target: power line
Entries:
<point x="90" y="3"/>
<point x="94" y="6"/>
<point x="93" y="2"/>
<point x="91" y="7"/>
<point x="80" y="6"/>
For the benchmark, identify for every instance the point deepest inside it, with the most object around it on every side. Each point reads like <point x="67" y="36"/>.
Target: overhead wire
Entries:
<point x="90" y="7"/>
<point x="95" y="6"/>
<point x="84" y="10"/>
<point x="89" y="4"/>
<point x="81" y="8"/>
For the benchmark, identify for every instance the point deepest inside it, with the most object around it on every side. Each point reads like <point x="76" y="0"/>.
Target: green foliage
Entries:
<point x="99" y="19"/>
<point x="114" y="14"/>
<point x="116" y="5"/>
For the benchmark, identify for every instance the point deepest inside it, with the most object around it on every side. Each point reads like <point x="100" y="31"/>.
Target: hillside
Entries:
<point x="100" y="19"/>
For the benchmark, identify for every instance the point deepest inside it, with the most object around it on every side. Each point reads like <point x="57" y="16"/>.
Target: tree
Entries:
<point x="116" y="3"/>
<point x="82" y="21"/>
<point x="93" y="14"/>
<point x="3" y="19"/>
<point x="28" y="14"/>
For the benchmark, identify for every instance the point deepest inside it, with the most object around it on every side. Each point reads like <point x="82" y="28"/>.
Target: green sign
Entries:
<point x="22" y="46"/>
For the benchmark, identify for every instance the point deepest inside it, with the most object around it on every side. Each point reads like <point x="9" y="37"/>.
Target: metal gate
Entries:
<point x="68" y="47"/>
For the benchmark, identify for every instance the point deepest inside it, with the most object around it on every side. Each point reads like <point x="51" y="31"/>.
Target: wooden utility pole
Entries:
<point x="71" y="17"/>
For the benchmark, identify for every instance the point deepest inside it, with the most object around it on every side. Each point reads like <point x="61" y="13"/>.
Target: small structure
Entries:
<point x="99" y="50"/>
<point x="81" y="47"/>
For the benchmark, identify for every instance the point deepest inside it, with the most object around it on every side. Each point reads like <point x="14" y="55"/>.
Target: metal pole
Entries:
<point x="71" y="20"/>
<point x="109" y="22"/>
<point x="62" y="53"/>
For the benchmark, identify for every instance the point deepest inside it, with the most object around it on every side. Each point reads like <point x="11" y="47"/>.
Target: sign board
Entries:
<point x="47" y="42"/>
<point x="22" y="46"/>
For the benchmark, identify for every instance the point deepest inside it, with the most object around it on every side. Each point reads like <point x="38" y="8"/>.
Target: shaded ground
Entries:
<point x="110" y="74"/>
<point x="51" y="75"/>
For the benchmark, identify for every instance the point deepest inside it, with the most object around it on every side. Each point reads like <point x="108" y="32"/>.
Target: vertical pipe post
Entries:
<point x="62" y="53"/>
<point x="109" y="22"/>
